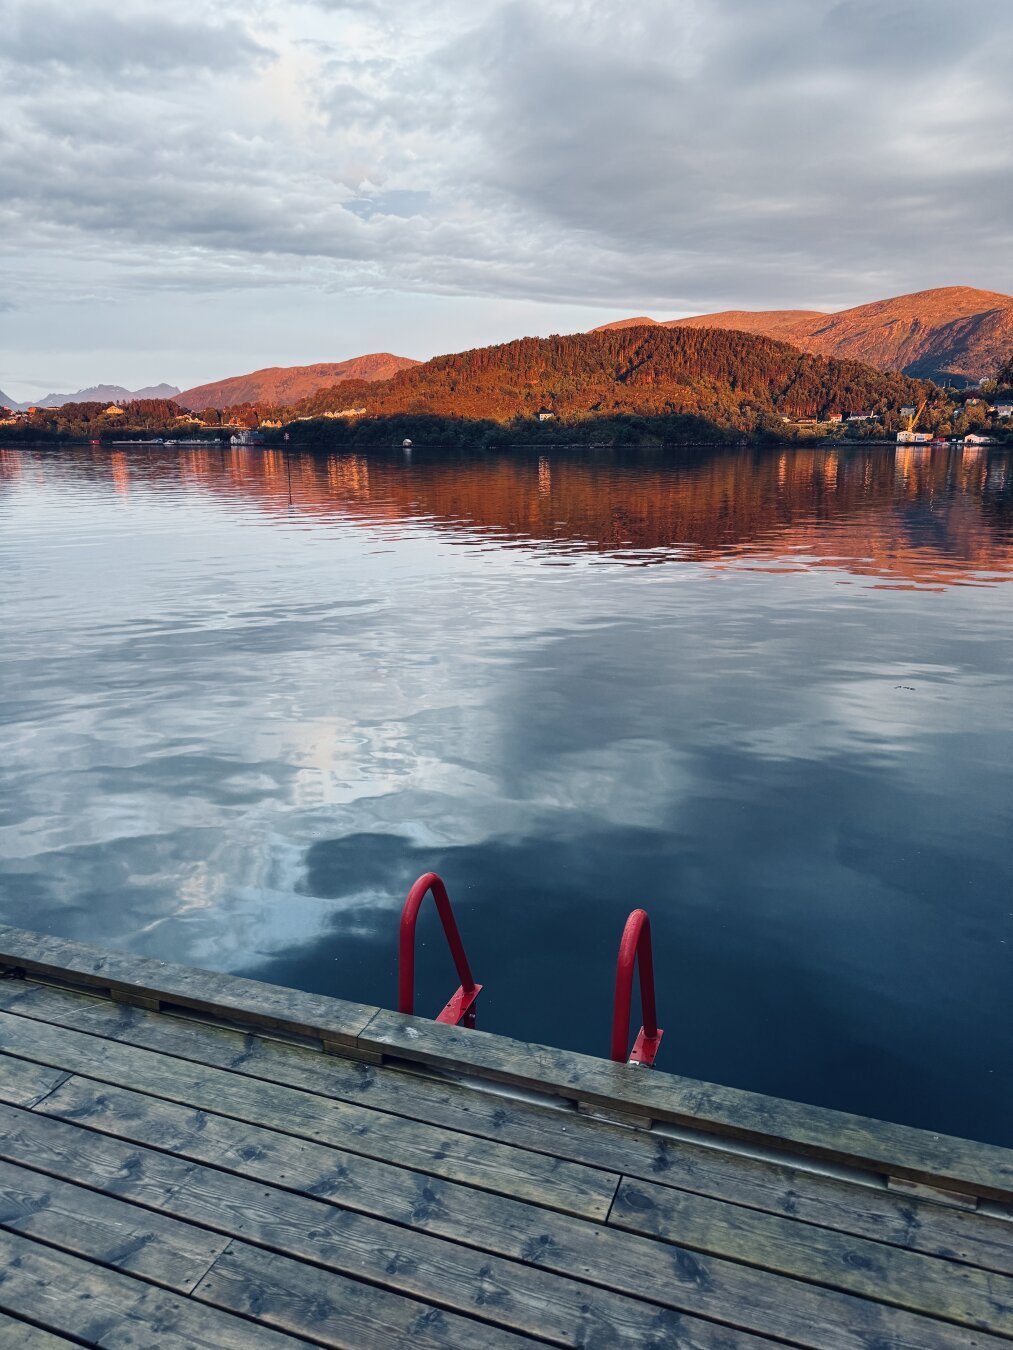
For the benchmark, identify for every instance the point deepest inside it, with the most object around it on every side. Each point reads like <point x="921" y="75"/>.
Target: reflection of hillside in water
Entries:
<point x="912" y="516"/>
<point x="909" y="516"/>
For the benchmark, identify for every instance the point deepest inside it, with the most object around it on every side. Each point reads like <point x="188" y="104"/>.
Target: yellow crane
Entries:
<point x="912" y="422"/>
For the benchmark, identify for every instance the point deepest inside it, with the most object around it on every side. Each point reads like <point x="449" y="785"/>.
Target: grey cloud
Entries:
<point x="898" y="35"/>
<point x="117" y="42"/>
<point x="757" y="144"/>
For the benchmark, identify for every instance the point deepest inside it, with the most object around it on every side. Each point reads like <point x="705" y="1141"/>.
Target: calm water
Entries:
<point x="769" y="696"/>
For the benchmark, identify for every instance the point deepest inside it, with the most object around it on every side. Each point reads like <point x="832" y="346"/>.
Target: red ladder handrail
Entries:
<point x="461" y="1007"/>
<point x="635" y="945"/>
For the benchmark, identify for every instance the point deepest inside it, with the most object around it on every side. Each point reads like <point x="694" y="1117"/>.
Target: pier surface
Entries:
<point x="190" y="1159"/>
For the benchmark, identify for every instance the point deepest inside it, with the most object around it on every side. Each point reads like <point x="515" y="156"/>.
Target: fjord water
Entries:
<point x="246" y="699"/>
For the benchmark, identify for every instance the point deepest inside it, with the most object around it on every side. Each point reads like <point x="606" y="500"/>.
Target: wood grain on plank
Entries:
<point x="689" y="1282"/>
<point x="924" y="1284"/>
<point x="18" y="1335"/>
<point x="409" y="1143"/>
<point x="276" y="1290"/>
<point x="560" y="1310"/>
<point x="957" y="1164"/>
<point x="101" y="1307"/>
<point x="112" y="1232"/>
<point x="339" y="1312"/>
<point x="334" y="1021"/>
<point x="863" y="1210"/>
<point x="27" y="1083"/>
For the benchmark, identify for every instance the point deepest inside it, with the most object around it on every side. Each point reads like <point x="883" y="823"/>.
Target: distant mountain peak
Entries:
<point x="640" y="321"/>
<point x="107" y="393"/>
<point x="971" y="296"/>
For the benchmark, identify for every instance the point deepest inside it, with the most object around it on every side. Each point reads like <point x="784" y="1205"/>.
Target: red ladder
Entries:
<point x="461" y="1007"/>
<point x="634" y="949"/>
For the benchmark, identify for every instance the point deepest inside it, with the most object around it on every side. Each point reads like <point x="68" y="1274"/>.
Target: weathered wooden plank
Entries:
<point x="337" y="1312"/>
<point x="408" y="1143"/>
<point x="862" y="1210"/>
<point x="335" y="1022"/>
<point x="689" y="1282"/>
<point x="17" y="1081"/>
<point x="942" y="1289"/>
<point x="104" y="1308"/>
<point x="897" y="1150"/>
<point x="18" y="1335"/>
<point x="27" y="1084"/>
<point x="133" y="1240"/>
<point x="562" y="1311"/>
<point x="277" y="1290"/>
<point x="707" y="1170"/>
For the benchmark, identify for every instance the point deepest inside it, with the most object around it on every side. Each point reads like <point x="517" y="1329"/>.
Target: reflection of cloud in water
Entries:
<point x="635" y="783"/>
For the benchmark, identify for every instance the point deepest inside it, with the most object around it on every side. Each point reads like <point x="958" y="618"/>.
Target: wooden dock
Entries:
<point x="194" y="1160"/>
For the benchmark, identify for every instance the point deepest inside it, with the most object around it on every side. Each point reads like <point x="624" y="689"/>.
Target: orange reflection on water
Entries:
<point x="914" y="515"/>
<point x="120" y="470"/>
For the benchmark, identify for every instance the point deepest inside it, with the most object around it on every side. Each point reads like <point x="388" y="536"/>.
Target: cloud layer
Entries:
<point x="673" y="156"/>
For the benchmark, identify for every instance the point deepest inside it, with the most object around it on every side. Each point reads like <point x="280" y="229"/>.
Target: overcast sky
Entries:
<point x="192" y="190"/>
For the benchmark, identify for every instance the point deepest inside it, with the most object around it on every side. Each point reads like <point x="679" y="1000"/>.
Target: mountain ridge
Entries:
<point x="278" y="385"/>
<point x="950" y="333"/>
<point x="107" y="393"/>
<point x="96" y="393"/>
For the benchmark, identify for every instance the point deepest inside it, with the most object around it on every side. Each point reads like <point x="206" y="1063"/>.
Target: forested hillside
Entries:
<point x="734" y="380"/>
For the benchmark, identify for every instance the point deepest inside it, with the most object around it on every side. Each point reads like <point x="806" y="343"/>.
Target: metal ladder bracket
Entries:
<point x="645" y="1049"/>
<point x="460" y="1011"/>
